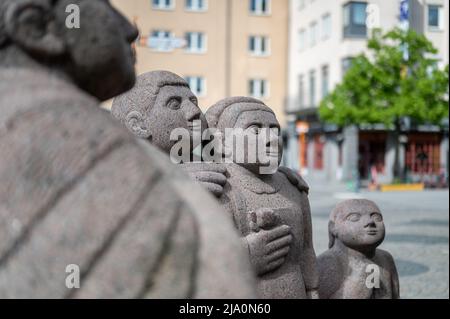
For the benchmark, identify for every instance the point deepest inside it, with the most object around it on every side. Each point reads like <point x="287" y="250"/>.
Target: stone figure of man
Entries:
<point x="270" y="210"/>
<point x="86" y="210"/>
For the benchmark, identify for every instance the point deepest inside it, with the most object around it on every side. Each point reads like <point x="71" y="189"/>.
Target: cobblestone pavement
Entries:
<point x="417" y="232"/>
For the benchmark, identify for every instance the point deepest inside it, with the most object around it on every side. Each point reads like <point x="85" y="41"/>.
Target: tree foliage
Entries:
<point x="386" y="85"/>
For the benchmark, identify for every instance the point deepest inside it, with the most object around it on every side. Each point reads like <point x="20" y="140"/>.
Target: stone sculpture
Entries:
<point x="353" y="267"/>
<point x="271" y="211"/>
<point x="160" y="103"/>
<point x="77" y="190"/>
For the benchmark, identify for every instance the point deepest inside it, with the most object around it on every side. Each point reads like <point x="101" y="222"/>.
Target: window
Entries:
<point x="312" y="88"/>
<point x="325" y="80"/>
<point x="197" y="84"/>
<point x="259" y="45"/>
<point x="302" y="4"/>
<point x="326" y="26"/>
<point x="313" y="34"/>
<point x="435" y="17"/>
<point x="196" y="5"/>
<point x="355" y="19"/>
<point x="346" y="64"/>
<point x="301" y="91"/>
<point x="163" y="4"/>
<point x="161" y="40"/>
<point x="260" y="7"/>
<point x="195" y="42"/>
<point x="303" y="40"/>
<point x="258" y="88"/>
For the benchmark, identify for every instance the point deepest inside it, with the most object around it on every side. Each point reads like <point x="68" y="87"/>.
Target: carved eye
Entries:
<point x="254" y="129"/>
<point x="194" y="100"/>
<point x="174" y="104"/>
<point x="377" y="217"/>
<point x="354" y="217"/>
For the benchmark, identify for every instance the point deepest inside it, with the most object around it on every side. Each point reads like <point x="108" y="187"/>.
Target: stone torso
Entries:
<point x="354" y="276"/>
<point x="249" y="193"/>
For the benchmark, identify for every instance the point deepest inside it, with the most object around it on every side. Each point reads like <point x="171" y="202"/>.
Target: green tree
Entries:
<point x="387" y="86"/>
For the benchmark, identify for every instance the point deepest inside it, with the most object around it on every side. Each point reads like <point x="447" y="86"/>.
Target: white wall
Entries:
<point x="331" y="51"/>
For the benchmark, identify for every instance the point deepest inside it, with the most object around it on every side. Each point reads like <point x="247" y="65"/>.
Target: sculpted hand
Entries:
<point x="210" y="175"/>
<point x="269" y="248"/>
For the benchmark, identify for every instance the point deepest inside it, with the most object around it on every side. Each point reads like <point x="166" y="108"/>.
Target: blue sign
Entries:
<point x="404" y="10"/>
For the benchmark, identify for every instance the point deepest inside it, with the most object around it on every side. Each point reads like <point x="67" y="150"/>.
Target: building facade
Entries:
<point x="221" y="47"/>
<point x="324" y="35"/>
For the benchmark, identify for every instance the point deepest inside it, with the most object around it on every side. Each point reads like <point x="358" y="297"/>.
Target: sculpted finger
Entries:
<point x="277" y="254"/>
<point x="211" y="177"/>
<point x="275" y="264"/>
<point x="279" y="243"/>
<point x="214" y="167"/>
<point x="278" y="232"/>
<point x="215" y="189"/>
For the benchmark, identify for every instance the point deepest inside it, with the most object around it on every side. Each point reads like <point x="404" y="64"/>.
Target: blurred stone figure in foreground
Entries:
<point x="270" y="210"/>
<point x="353" y="267"/>
<point x="77" y="189"/>
<point x="159" y="104"/>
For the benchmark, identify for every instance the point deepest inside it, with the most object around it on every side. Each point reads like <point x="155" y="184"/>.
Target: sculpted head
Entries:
<point x="97" y="56"/>
<point x="356" y="223"/>
<point x="160" y="102"/>
<point x="252" y="117"/>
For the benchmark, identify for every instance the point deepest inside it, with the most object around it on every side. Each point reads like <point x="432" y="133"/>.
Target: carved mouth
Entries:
<point x="372" y="232"/>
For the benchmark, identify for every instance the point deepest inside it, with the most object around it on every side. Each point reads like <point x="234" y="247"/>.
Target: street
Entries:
<point x="417" y="230"/>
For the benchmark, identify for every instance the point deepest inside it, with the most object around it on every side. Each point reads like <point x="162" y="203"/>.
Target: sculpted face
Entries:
<point x="100" y="52"/>
<point x="360" y="226"/>
<point x="253" y="123"/>
<point x="174" y="107"/>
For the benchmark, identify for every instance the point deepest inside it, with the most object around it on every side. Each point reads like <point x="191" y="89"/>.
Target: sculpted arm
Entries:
<point x="309" y="263"/>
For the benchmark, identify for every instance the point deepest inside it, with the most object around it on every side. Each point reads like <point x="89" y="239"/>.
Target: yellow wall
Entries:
<point x="212" y="64"/>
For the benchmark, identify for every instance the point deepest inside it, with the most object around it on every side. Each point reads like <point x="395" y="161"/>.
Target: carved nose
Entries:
<point x="193" y="113"/>
<point x="370" y="223"/>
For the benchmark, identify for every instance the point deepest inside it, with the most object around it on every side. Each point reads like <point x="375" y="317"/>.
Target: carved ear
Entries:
<point x="31" y="25"/>
<point x="135" y="123"/>
<point x="332" y="234"/>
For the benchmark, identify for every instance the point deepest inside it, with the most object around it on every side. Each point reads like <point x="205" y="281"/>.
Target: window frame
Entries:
<point x="257" y="51"/>
<point x="204" y="42"/>
<point x="198" y="79"/>
<point x="163" y="7"/>
<point x="440" y="17"/>
<point x="160" y="31"/>
<point x="353" y="30"/>
<point x="196" y="9"/>
<point x="265" y="87"/>
<point x="259" y="11"/>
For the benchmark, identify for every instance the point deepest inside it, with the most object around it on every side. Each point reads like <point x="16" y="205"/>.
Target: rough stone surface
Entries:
<point x="270" y="211"/>
<point x="356" y="229"/>
<point x="159" y="103"/>
<point x="76" y="188"/>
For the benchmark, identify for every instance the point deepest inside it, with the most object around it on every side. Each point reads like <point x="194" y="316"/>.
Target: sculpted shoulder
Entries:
<point x="295" y="179"/>
<point x="331" y="273"/>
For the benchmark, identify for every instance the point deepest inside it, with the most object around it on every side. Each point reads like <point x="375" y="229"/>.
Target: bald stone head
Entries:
<point x="159" y="103"/>
<point x="259" y="126"/>
<point x="357" y="223"/>
<point x="97" y="56"/>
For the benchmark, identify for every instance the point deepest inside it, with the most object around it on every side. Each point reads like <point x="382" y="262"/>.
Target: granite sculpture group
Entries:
<point x="76" y="188"/>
